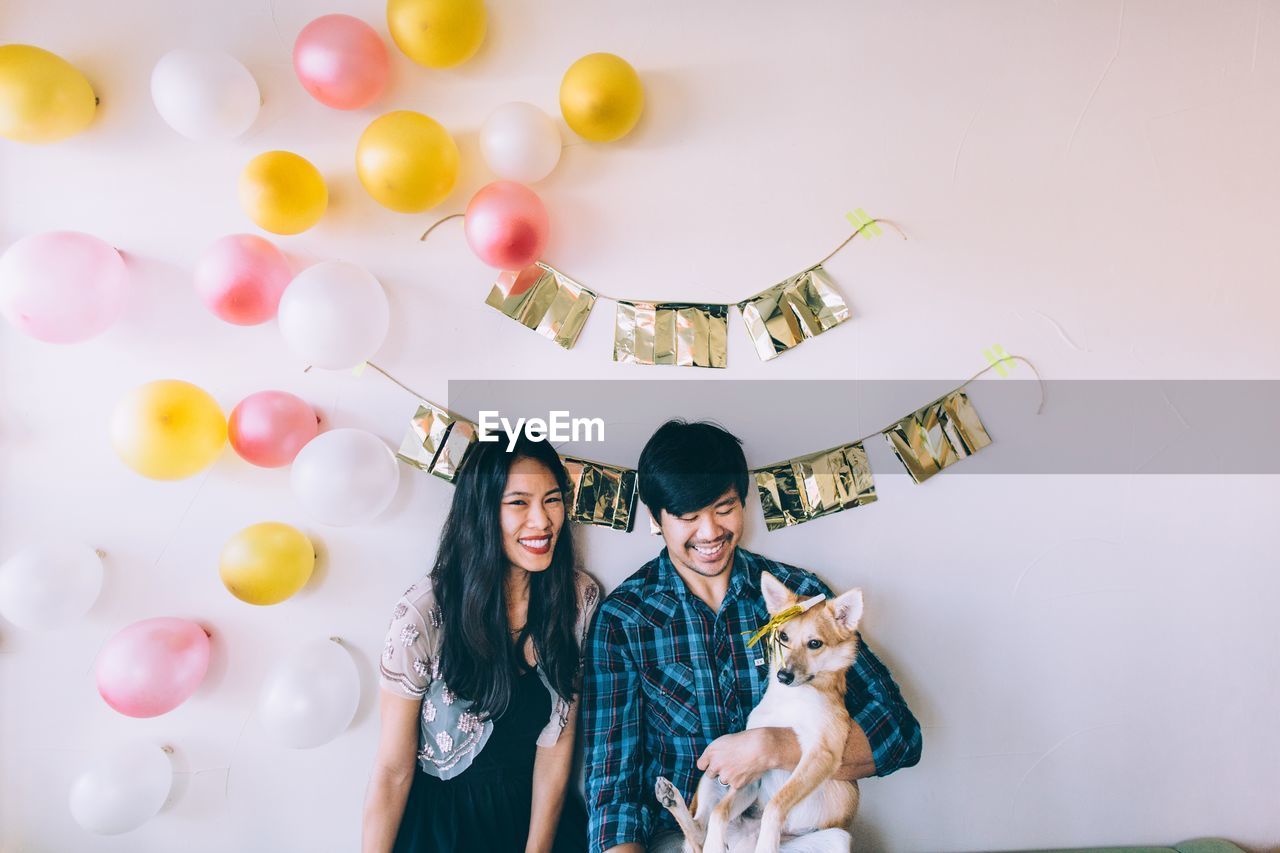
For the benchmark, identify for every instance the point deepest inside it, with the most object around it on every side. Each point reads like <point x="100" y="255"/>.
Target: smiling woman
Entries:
<point x="480" y="672"/>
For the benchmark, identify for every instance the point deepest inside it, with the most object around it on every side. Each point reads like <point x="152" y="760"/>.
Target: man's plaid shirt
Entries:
<point x="665" y="676"/>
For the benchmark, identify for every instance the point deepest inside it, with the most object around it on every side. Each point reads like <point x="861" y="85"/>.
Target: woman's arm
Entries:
<point x="551" y="769"/>
<point x="393" y="769"/>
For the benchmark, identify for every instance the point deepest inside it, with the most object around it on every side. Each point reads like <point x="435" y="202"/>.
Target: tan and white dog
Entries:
<point x="805" y="810"/>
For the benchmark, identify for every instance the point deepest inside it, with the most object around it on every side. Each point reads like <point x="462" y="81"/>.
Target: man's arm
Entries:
<point x="612" y="730"/>
<point x="742" y="757"/>
<point x="879" y="711"/>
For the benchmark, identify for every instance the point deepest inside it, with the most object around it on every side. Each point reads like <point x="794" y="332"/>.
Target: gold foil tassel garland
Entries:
<point x="937" y="436"/>
<point x="545" y="300"/>
<point x="679" y="333"/>
<point x="603" y="495"/>
<point x="804" y="306"/>
<point x="814" y="485"/>
<point x="437" y="442"/>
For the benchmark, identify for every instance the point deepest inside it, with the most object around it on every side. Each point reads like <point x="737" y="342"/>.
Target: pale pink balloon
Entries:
<point x="270" y="427"/>
<point x="341" y="61"/>
<point x="506" y="225"/>
<point x="153" y="666"/>
<point x="62" y="287"/>
<point x="240" y="278"/>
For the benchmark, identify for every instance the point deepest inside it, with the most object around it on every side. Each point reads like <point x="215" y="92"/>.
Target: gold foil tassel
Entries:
<point x="437" y="442"/>
<point x="678" y="333"/>
<point x="814" y="485"/>
<point x="782" y="316"/>
<point x="603" y="495"/>
<point x="941" y="434"/>
<point x="545" y="300"/>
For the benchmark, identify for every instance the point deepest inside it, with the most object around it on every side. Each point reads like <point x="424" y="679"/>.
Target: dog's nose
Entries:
<point x="786" y="676"/>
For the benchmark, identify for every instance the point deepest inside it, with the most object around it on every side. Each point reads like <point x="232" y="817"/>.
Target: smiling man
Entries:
<point x="669" y="679"/>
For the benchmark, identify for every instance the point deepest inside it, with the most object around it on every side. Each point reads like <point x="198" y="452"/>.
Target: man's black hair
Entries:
<point x="687" y="466"/>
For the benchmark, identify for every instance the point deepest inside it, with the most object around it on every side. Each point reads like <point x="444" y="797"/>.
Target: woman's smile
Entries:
<point x="538" y="545"/>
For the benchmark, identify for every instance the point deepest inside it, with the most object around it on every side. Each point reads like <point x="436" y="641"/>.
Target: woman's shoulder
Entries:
<point x="588" y="599"/>
<point x="419" y="597"/>
<point x="588" y="589"/>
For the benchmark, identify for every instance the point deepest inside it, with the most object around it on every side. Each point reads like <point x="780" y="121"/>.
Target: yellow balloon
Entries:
<point x="282" y="192"/>
<point x="168" y="430"/>
<point x="601" y="97"/>
<point x="266" y="563"/>
<point x="43" y="98"/>
<point x="437" y="33"/>
<point x="407" y="161"/>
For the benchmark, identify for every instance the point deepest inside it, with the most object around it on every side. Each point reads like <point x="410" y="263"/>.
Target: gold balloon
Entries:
<point x="437" y="33"/>
<point x="266" y="563"/>
<point x="168" y="430"/>
<point x="43" y="98"/>
<point x="407" y="161"/>
<point x="282" y="192"/>
<point x="601" y="97"/>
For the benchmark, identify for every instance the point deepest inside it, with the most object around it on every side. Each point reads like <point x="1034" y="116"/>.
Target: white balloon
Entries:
<point x="122" y="788"/>
<point x="49" y="584"/>
<point x="310" y="697"/>
<point x="520" y="142"/>
<point x="205" y="94"/>
<point x="334" y="315"/>
<point x="345" y="476"/>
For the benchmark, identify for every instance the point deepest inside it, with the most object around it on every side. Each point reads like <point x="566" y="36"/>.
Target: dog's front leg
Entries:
<point x="669" y="797"/>
<point x="816" y="766"/>
<point x="726" y="810"/>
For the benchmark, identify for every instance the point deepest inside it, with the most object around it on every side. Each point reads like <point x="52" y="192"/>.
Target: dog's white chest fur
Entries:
<point x="803" y="709"/>
<point x="799" y="708"/>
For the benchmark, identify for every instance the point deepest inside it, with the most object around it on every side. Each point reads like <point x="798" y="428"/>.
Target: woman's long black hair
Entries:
<point x="476" y="654"/>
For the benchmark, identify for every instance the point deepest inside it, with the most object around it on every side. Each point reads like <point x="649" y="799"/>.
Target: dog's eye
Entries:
<point x="815" y="644"/>
<point x="782" y="635"/>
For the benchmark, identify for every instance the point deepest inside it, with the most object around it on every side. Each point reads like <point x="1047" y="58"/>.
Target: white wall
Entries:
<point x="1093" y="658"/>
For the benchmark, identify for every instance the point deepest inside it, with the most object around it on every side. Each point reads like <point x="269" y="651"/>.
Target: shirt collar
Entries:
<point x="744" y="575"/>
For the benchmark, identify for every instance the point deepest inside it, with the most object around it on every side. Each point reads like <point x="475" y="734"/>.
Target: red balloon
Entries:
<point x="268" y="428"/>
<point x="341" y="61"/>
<point x="506" y="225"/>
<point x="241" y="278"/>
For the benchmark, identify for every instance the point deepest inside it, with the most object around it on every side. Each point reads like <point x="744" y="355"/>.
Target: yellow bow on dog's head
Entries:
<point x="770" y="628"/>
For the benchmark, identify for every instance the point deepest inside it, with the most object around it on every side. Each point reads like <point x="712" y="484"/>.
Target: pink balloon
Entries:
<point x="241" y="278"/>
<point x="341" y="61"/>
<point x="62" y="287"/>
<point x="506" y="225"/>
<point x="153" y="666"/>
<point x="270" y="427"/>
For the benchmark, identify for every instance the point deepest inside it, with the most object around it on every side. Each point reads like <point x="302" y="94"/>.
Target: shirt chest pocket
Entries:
<point x="670" y="698"/>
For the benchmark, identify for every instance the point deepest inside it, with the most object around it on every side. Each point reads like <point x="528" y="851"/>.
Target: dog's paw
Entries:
<point x="666" y="793"/>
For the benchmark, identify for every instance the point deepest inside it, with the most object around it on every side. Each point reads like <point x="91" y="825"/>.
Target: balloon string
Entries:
<point x="397" y="381"/>
<point x="174" y="535"/>
<point x="440" y="222"/>
<point x="829" y="256"/>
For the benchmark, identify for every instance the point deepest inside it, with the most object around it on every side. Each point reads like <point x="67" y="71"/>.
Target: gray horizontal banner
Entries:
<point x="1085" y="427"/>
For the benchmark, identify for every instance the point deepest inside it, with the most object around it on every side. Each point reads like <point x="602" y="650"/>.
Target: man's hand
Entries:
<point x="740" y="758"/>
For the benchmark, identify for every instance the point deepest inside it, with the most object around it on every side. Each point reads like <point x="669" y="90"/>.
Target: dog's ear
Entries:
<point x="846" y="609"/>
<point x="776" y="596"/>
